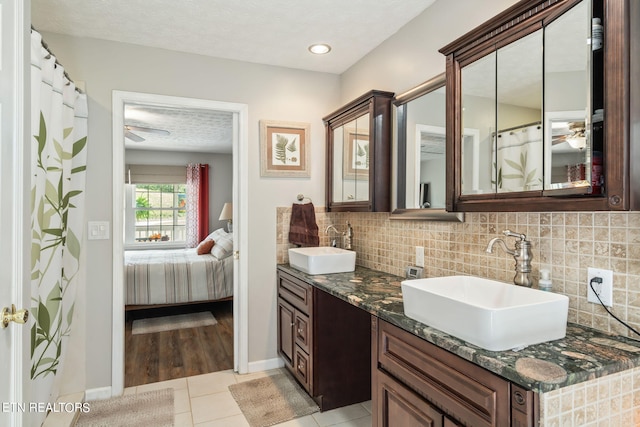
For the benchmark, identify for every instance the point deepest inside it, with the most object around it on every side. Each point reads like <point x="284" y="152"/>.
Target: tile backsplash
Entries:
<point x="566" y="243"/>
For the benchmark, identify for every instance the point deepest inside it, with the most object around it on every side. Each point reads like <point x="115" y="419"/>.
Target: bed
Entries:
<point x="176" y="276"/>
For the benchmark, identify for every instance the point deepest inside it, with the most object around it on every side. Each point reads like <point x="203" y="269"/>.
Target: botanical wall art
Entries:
<point x="356" y="156"/>
<point x="284" y="149"/>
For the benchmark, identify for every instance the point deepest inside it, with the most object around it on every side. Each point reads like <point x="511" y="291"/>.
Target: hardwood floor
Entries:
<point x="181" y="353"/>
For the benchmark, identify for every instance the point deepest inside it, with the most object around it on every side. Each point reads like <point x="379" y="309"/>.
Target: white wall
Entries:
<point x="272" y="93"/>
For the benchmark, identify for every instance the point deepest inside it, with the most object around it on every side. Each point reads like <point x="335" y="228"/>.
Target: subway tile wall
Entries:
<point x="566" y="243"/>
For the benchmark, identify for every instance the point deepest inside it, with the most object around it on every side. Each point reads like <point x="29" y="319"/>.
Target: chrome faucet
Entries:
<point x="522" y="254"/>
<point x="347" y="236"/>
<point x="333" y="241"/>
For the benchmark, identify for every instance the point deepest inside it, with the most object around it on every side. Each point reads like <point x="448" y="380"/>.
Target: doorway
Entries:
<point x="239" y="200"/>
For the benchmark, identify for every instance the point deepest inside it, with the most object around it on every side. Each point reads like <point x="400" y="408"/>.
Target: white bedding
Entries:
<point x="176" y="276"/>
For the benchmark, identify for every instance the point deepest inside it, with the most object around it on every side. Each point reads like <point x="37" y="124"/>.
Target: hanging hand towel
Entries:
<point x="303" y="229"/>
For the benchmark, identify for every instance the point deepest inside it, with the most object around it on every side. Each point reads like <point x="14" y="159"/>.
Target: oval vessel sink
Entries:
<point x="493" y="315"/>
<point x="322" y="260"/>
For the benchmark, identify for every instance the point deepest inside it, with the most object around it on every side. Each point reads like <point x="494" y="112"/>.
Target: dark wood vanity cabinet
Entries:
<point x="358" y="173"/>
<point x="610" y="120"/>
<point x="325" y="343"/>
<point x="416" y="383"/>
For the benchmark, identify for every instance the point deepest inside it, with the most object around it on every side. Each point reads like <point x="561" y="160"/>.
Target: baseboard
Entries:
<point x="265" y="365"/>
<point x="100" y="393"/>
<point x="65" y="417"/>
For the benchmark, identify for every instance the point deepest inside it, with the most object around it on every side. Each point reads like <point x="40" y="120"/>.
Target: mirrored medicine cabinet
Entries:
<point x="532" y="122"/>
<point x="358" y="137"/>
<point x="420" y="172"/>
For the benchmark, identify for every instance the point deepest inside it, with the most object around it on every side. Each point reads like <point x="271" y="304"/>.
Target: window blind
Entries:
<point x="155" y="174"/>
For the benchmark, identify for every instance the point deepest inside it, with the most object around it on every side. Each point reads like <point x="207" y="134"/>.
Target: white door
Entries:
<point x="14" y="212"/>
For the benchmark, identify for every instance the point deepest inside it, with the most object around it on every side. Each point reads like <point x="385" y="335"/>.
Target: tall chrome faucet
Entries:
<point x="522" y="254"/>
<point x="347" y="236"/>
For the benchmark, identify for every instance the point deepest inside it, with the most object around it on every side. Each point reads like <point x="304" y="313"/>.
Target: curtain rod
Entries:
<point x="46" y="47"/>
<point x="520" y="127"/>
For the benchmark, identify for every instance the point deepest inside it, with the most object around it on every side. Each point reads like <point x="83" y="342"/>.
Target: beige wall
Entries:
<point x="411" y="56"/>
<point x="271" y="93"/>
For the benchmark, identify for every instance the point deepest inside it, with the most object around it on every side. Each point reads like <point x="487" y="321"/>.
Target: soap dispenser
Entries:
<point x="544" y="284"/>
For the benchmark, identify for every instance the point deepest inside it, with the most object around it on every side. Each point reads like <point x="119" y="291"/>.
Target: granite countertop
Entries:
<point x="584" y="353"/>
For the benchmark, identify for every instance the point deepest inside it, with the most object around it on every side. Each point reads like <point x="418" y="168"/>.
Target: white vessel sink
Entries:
<point x="322" y="260"/>
<point x="493" y="315"/>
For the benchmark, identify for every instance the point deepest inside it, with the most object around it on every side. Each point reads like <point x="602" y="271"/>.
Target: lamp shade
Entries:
<point x="227" y="212"/>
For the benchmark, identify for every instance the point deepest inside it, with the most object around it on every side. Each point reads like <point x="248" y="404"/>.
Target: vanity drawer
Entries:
<point x="463" y="391"/>
<point x="295" y="291"/>
<point x="302" y="368"/>
<point x="302" y="332"/>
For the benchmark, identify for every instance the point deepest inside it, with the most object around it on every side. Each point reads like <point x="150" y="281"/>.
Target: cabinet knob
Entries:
<point x="300" y="330"/>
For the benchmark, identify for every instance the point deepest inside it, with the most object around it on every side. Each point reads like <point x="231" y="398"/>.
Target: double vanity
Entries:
<point x="341" y="333"/>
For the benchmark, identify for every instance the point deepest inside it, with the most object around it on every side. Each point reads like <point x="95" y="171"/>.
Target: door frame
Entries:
<point x="15" y="266"/>
<point x="240" y="219"/>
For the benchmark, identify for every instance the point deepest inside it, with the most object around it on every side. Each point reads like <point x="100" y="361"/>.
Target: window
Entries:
<point x="160" y="212"/>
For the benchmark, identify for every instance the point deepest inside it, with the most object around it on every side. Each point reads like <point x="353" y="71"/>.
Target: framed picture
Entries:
<point x="356" y="164"/>
<point x="284" y="149"/>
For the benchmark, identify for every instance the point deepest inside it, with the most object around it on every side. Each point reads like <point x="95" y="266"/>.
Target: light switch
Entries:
<point x="98" y="230"/>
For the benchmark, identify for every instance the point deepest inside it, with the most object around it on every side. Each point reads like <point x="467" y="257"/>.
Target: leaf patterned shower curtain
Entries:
<point x="519" y="159"/>
<point x="58" y="164"/>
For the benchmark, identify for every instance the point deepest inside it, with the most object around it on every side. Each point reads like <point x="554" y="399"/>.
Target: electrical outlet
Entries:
<point x="420" y="256"/>
<point x="604" y="289"/>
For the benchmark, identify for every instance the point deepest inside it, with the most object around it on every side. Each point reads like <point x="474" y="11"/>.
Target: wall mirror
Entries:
<point x="351" y="158"/>
<point x="421" y="153"/>
<point x="359" y="155"/>
<point x="568" y="143"/>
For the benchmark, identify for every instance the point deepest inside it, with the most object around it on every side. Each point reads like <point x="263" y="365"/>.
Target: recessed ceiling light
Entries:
<point x="319" y="48"/>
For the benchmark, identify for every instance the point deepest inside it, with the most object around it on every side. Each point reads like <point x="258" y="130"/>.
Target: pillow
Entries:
<point x="223" y="247"/>
<point x="205" y="246"/>
<point x="220" y="232"/>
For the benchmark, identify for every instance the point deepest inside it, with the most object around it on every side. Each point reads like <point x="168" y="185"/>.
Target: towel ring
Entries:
<point x="301" y="198"/>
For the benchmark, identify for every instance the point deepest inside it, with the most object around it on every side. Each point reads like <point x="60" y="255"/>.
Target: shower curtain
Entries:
<point x="58" y="165"/>
<point x="518" y="159"/>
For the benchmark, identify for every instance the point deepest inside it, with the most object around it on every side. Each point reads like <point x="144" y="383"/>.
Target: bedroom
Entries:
<point x="168" y="278"/>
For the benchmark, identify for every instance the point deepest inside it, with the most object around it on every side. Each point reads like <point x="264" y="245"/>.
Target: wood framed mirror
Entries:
<point x="420" y="173"/>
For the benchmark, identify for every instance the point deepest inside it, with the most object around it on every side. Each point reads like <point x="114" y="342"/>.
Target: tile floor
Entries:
<point x="205" y="401"/>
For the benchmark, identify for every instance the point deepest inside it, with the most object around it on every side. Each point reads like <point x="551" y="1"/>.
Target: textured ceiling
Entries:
<point x="274" y="32"/>
<point x="193" y="130"/>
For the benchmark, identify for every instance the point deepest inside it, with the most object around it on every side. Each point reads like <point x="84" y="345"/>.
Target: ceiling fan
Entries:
<point x="573" y="133"/>
<point x="128" y="132"/>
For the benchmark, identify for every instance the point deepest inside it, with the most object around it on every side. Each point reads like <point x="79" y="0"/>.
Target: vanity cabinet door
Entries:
<point x="286" y="324"/>
<point x="358" y="172"/>
<point x="398" y="406"/>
